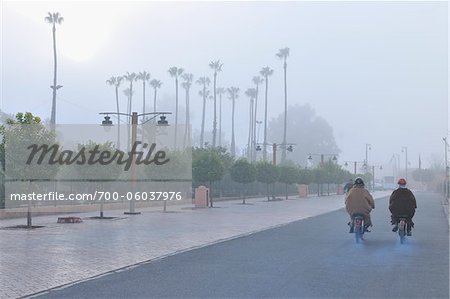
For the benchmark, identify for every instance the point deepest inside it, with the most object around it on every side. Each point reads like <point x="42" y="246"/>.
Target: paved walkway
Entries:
<point x="32" y="261"/>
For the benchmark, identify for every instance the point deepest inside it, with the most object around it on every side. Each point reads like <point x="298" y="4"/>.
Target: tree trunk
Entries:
<point x="220" y="120"/>
<point x="254" y="122"/>
<point x="176" y="112"/>
<point x="283" y="156"/>
<point x="202" y="132"/>
<point x="118" y="117"/>
<point x="186" y="127"/>
<point x="210" y="195"/>
<point x="265" y="123"/>
<point x="250" y="132"/>
<point x="243" y="193"/>
<point x="53" y="114"/>
<point x="143" y="100"/>
<point x="233" y="149"/>
<point x="29" y="224"/>
<point x="154" y="101"/>
<point x="287" y="191"/>
<point x="215" y="113"/>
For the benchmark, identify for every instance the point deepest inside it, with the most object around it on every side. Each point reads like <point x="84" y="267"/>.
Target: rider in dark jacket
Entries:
<point x="402" y="202"/>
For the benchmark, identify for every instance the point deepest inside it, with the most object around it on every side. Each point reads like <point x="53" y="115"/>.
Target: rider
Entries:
<point x="402" y="202"/>
<point x="359" y="201"/>
<point x="348" y="186"/>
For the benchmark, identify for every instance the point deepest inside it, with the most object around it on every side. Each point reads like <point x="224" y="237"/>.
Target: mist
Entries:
<point x="373" y="73"/>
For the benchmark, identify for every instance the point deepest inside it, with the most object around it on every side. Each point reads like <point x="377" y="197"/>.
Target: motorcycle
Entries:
<point x="402" y="227"/>
<point x="358" y="227"/>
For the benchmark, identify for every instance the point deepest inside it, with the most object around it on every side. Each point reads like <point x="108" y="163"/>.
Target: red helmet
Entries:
<point x="401" y="182"/>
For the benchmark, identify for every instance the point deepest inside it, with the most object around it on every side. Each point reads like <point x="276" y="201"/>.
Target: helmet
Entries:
<point x="359" y="182"/>
<point x="401" y="182"/>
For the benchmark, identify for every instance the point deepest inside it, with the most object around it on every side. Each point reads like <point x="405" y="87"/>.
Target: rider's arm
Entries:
<point x="370" y="200"/>
<point x="414" y="200"/>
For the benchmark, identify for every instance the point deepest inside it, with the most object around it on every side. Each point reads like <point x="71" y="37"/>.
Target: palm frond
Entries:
<point x="173" y="71"/>
<point x="155" y="83"/>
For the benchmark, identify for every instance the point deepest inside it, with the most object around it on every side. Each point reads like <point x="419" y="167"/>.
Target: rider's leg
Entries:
<point x="367" y="222"/>
<point x="394" y="222"/>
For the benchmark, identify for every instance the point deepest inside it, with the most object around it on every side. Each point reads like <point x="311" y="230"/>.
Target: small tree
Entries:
<point x="19" y="133"/>
<point x="243" y="172"/>
<point x="207" y="166"/>
<point x="305" y="176"/>
<point x="267" y="173"/>
<point x="97" y="173"/>
<point x="289" y="174"/>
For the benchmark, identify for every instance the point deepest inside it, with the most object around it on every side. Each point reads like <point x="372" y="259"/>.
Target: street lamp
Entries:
<point x="447" y="178"/>
<point x="134" y="121"/>
<point x="368" y="148"/>
<point x="289" y="148"/>
<point x="405" y="150"/>
<point x="355" y="163"/>
<point x="322" y="156"/>
<point x="373" y="175"/>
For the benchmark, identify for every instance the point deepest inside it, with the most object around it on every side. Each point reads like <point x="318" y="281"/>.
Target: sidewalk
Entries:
<point x="33" y="261"/>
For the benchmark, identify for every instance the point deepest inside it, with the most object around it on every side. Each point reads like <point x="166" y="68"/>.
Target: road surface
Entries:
<point x="311" y="258"/>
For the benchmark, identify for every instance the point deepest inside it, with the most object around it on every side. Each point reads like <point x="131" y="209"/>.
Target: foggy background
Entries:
<point x="375" y="72"/>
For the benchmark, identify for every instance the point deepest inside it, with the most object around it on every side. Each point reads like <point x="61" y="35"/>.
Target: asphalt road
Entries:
<point x="311" y="258"/>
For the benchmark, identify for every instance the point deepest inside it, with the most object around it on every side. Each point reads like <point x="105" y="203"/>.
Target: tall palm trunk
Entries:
<point x="143" y="100"/>
<point x="154" y="101"/>
<point x="202" y="132"/>
<point x="176" y="112"/>
<point x="254" y="123"/>
<point x="215" y="113"/>
<point x="118" y="117"/>
<point x="283" y="153"/>
<point x="130" y="100"/>
<point x="250" y="132"/>
<point x="265" y="122"/>
<point x="186" y="129"/>
<point x="128" y="123"/>
<point x="233" y="149"/>
<point x="220" y="120"/>
<point x="53" y="114"/>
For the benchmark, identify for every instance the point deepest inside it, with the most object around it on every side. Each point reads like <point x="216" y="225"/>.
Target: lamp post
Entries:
<point x="355" y="163"/>
<point x="447" y="178"/>
<point x="322" y="157"/>
<point x="368" y="148"/>
<point x="373" y="175"/>
<point x="289" y="148"/>
<point x="134" y="122"/>
<point x="405" y="150"/>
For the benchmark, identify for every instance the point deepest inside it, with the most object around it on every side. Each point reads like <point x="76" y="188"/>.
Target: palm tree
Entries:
<point x="128" y="92"/>
<point x="217" y="67"/>
<point x="283" y="54"/>
<point x="204" y="81"/>
<point x="251" y="93"/>
<point x="54" y="18"/>
<point x="175" y="72"/>
<point x="256" y="80"/>
<point x="145" y="77"/>
<point x="155" y="84"/>
<point x="220" y="91"/>
<point x="130" y="77"/>
<point x="188" y="78"/>
<point x="233" y="95"/>
<point x="265" y="72"/>
<point x="116" y="82"/>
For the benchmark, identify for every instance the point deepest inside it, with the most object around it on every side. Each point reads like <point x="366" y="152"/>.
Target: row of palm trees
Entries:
<point x="205" y="93"/>
<point x="176" y="72"/>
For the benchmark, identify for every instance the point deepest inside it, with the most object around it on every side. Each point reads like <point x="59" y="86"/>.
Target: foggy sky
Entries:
<point x="377" y="72"/>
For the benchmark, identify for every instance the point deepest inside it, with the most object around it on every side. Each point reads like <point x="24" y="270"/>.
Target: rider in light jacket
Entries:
<point x="360" y="201"/>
